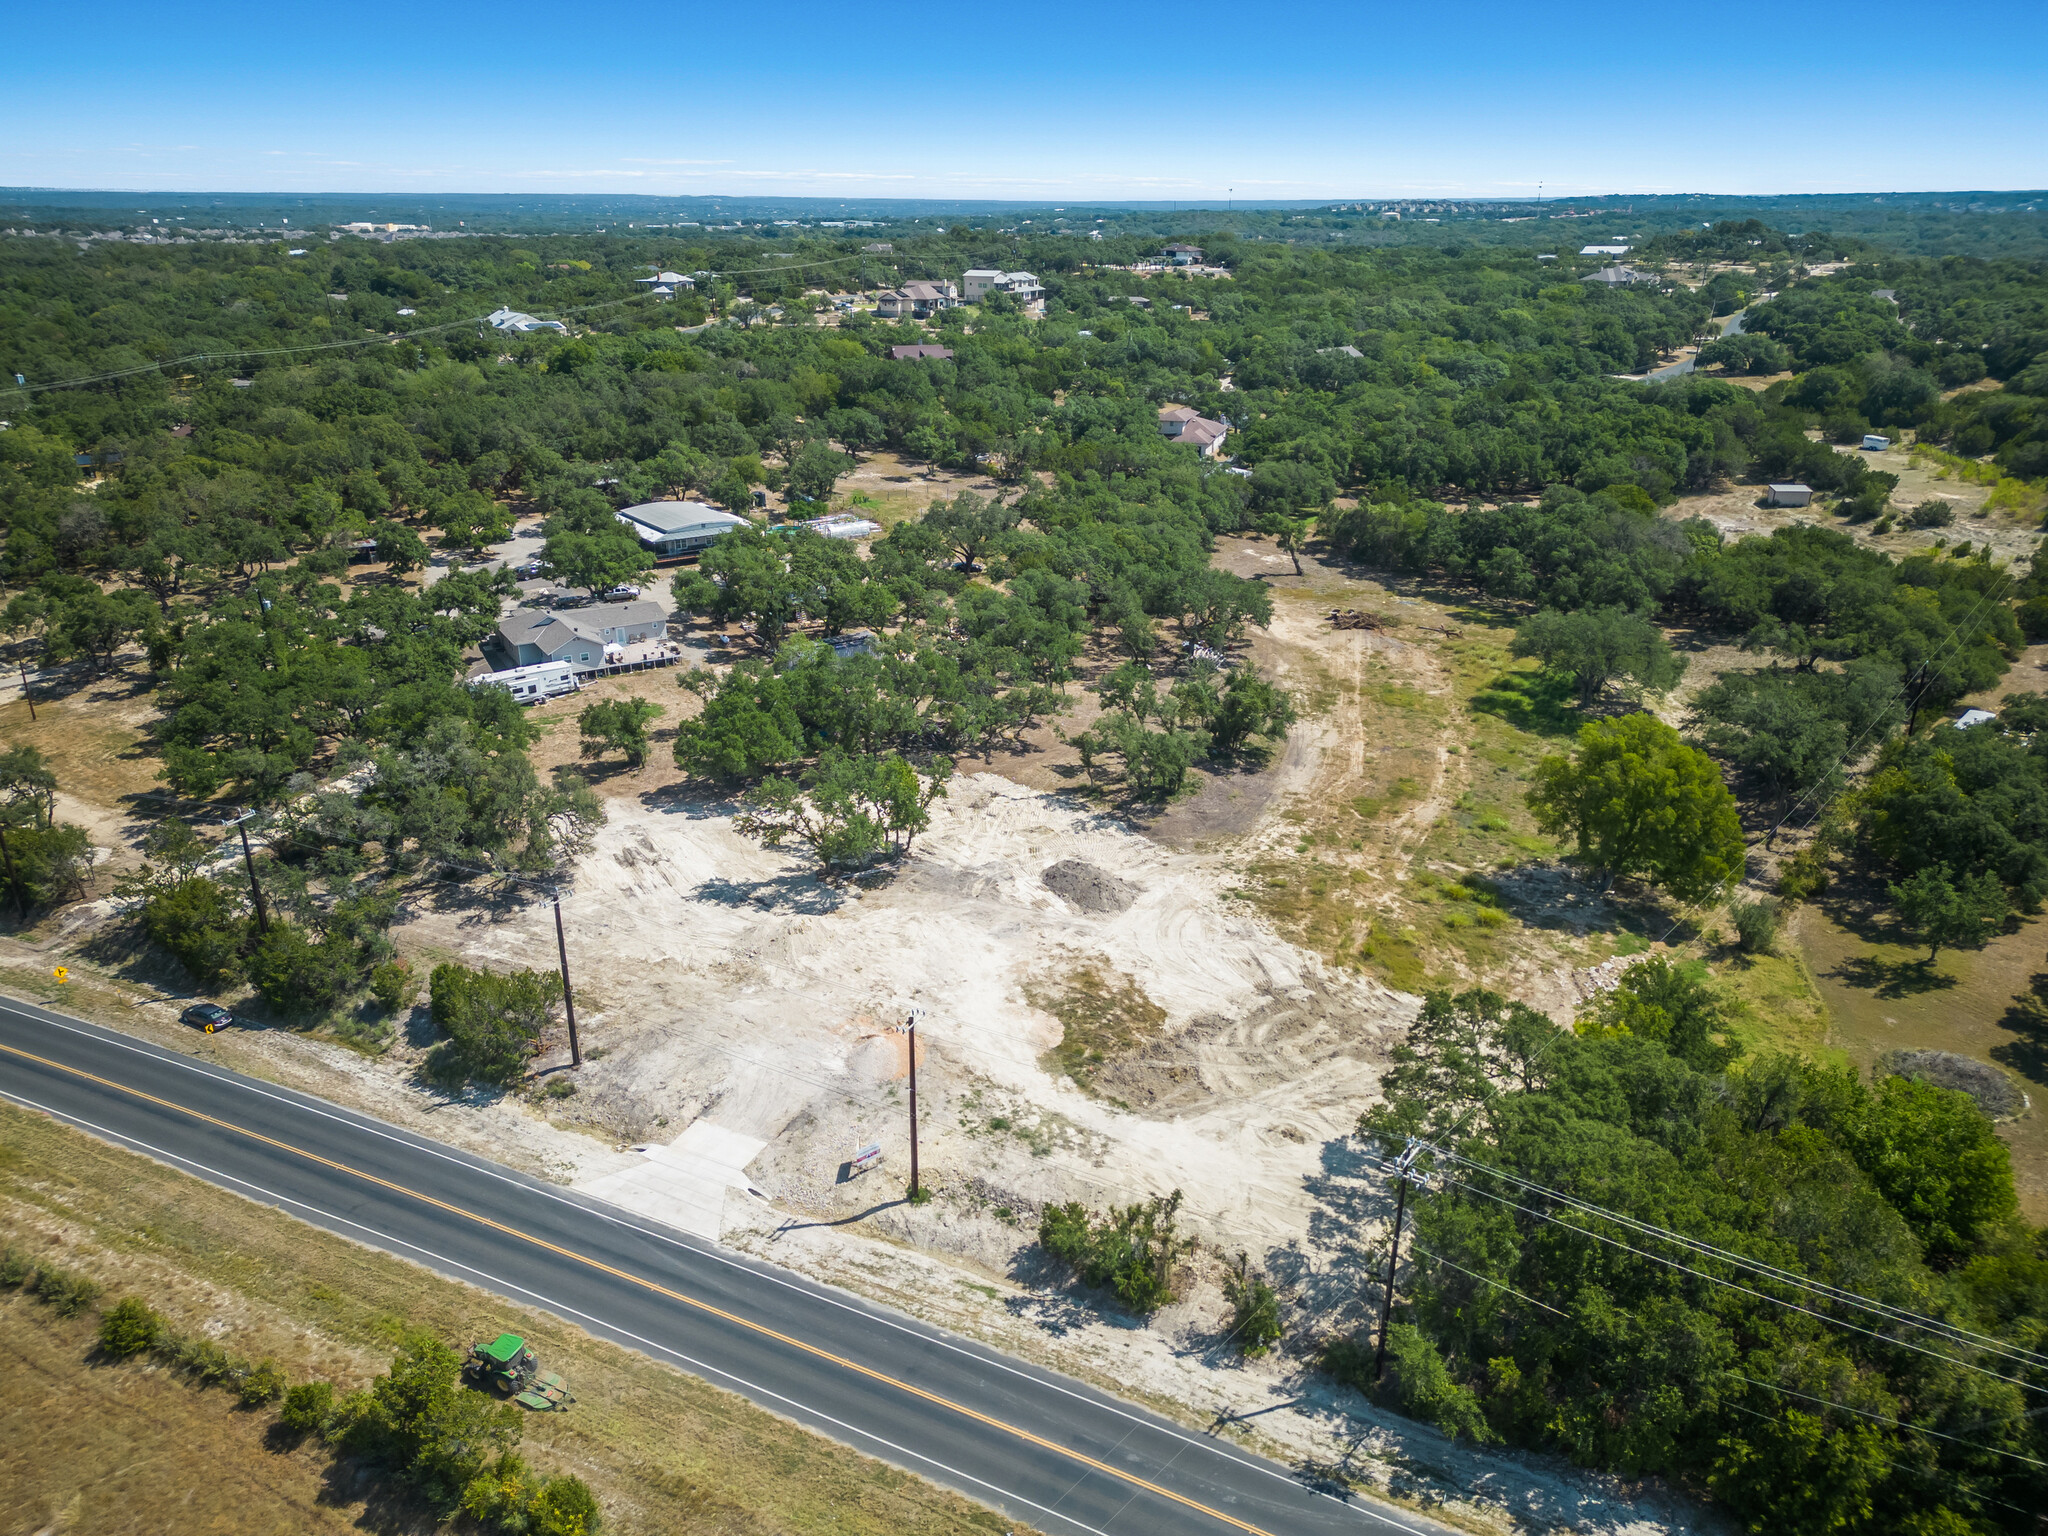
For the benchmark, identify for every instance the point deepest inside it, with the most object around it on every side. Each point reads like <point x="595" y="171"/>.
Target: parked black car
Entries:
<point x="207" y="1016"/>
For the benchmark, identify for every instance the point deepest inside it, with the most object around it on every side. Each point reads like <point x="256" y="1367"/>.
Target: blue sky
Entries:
<point x="1050" y="100"/>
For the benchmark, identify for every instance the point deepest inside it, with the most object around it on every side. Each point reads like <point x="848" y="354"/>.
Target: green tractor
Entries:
<point x="507" y="1367"/>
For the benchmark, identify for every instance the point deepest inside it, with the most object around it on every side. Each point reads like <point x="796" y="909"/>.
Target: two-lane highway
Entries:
<point x="1040" y="1447"/>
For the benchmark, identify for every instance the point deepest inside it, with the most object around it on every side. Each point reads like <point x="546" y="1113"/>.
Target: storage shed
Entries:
<point x="1793" y="495"/>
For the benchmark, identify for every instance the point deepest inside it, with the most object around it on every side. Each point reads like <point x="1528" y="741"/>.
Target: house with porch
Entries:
<point x="584" y="637"/>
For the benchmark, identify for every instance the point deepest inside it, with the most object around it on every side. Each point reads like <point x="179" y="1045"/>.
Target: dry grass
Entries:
<point x="1881" y="995"/>
<point x="97" y="1447"/>
<point x="106" y="1448"/>
<point x="890" y="489"/>
<point x="92" y="731"/>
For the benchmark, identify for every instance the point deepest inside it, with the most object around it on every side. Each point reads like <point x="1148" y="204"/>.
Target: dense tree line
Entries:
<point x="1528" y="1319"/>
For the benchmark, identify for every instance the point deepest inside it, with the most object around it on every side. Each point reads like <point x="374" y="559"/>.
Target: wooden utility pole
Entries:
<point x="25" y="691"/>
<point x="241" y="824"/>
<point x="568" y="997"/>
<point x="913" y="1107"/>
<point x="1379" y="1357"/>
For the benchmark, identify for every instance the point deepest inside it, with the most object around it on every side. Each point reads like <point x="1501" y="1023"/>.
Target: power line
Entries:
<point x="1794" y="1306"/>
<point x="1967" y="1337"/>
<point x="1900" y="1465"/>
<point x="1917" y="1429"/>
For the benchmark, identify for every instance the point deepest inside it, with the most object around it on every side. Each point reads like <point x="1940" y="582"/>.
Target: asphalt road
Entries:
<point x="1684" y="366"/>
<point x="1042" y="1448"/>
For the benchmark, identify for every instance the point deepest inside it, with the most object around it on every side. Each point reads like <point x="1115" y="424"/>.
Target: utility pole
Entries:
<point x="1379" y="1357"/>
<point x="913" y="1104"/>
<point x="568" y="997"/>
<point x="241" y="823"/>
<point x="25" y="691"/>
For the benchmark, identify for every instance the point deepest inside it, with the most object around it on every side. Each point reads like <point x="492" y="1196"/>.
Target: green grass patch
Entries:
<point x="1102" y="1016"/>
<point x="1536" y="702"/>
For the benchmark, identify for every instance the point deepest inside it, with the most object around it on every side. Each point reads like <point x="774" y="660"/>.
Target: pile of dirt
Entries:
<point x="1996" y="1094"/>
<point x="1088" y="887"/>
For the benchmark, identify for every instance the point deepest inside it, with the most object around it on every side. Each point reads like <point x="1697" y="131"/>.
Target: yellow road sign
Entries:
<point x="62" y="973"/>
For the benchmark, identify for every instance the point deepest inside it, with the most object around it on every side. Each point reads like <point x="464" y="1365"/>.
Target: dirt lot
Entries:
<point x="1219" y="1034"/>
<point x="888" y="488"/>
<point x="1736" y="513"/>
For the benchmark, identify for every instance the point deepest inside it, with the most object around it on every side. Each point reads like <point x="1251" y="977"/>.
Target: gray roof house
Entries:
<point x="1616" y="276"/>
<point x="581" y="636"/>
<point x="919" y="300"/>
<point x="516" y="320"/>
<point x="672" y="528"/>
<point x="1185" y="425"/>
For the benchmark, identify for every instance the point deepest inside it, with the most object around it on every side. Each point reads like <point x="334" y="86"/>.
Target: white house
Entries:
<point x="1185" y="425"/>
<point x="584" y="637"/>
<point x="513" y="320"/>
<point x="669" y="280"/>
<point x="1604" y="250"/>
<point x="672" y="528"/>
<point x="1184" y="255"/>
<point x="1970" y="717"/>
<point x="1789" y="494"/>
<point x="1021" y="286"/>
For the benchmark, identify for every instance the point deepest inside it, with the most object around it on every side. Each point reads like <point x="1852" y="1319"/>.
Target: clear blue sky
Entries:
<point x="1033" y="100"/>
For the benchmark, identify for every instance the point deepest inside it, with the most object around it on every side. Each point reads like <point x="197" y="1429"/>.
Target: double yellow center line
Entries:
<point x="645" y="1284"/>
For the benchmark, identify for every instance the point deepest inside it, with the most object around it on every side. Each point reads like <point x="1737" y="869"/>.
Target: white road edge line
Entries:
<point x="173" y="1160"/>
<point x="761" y="1269"/>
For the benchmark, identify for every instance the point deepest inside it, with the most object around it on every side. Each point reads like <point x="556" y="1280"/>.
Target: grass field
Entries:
<point x="87" y="1446"/>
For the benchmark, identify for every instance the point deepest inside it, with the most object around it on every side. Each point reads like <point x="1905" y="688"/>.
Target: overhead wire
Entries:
<point x="1918" y="1429"/>
<point x="1733" y="1285"/>
<point x="1890" y="1312"/>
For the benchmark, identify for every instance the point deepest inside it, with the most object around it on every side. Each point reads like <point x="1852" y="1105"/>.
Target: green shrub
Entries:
<point x="392" y="985"/>
<point x="1805" y="874"/>
<point x="205" y="1361"/>
<point x="15" y="1268"/>
<point x="295" y="975"/>
<point x="1756" y="925"/>
<point x="493" y="1021"/>
<point x="307" y="1406"/>
<point x="504" y="1497"/>
<point x="1933" y="513"/>
<point x="1132" y="1250"/>
<point x="201" y="922"/>
<point x="130" y="1327"/>
<point x="2033" y="617"/>
<point x="1419" y="1384"/>
<point x="63" y="1292"/>
<point x="1255" y="1309"/>
<point x="262" y="1383"/>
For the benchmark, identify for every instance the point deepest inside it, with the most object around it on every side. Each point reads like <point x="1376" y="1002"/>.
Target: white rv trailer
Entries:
<point x="530" y="685"/>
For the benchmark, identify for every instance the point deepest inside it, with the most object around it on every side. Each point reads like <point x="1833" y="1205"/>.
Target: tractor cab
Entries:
<point x="504" y="1365"/>
<point x="507" y="1367"/>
